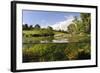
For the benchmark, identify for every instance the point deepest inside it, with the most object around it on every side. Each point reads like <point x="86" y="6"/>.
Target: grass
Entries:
<point x="36" y="39"/>
<point x="79" y="38"/>
<point x="56" y="52"/>
<point x="37" y="32"/>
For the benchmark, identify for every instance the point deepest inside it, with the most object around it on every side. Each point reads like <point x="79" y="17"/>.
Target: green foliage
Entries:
<point x="44" y="52"/>
<point x="38" y="32"/>
<point x="31" y="27"/>
<point x="25" y="27"/>
<point x="86" y="20"/>
<point x="49" y="28"/>
<point x="82" y="25"/>
<point x="37" y="26"/>
<point x="56" y="52"/>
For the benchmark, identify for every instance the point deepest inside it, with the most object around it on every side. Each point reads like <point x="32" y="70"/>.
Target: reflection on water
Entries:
<point x="60" y="41"/>
<point x="49" y="39"/>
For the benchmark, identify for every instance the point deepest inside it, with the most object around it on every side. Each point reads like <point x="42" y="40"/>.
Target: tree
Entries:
<point x="86" y="20"/>
<point x="82" y="25"/>
<point x="71" y="28"/>
<point x="25" y="27"/>
<point x="37" y="26"/>
<point x="74" y="27"/>
<point x="49" y="28"/>
<point x="31" y="27"/>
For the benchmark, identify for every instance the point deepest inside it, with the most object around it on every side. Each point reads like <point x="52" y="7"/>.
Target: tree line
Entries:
<point x="26" y="27"/>
<point x="37" y="26"/>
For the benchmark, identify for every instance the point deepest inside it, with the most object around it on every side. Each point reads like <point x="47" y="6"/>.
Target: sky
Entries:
<point x="57" y="20"/>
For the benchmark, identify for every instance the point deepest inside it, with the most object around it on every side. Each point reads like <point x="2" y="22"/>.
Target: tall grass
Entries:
<point x="56" y="52"/>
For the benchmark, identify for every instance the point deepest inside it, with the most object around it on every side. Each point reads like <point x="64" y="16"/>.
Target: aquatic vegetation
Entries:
<point x="56" y="52"/>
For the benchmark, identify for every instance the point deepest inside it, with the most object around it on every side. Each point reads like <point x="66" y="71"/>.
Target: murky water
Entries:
<point x="45" y="40"/>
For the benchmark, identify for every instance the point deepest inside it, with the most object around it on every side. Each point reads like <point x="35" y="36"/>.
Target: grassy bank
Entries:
<point x="37" y="33"/>
<point x="55" y="52"/>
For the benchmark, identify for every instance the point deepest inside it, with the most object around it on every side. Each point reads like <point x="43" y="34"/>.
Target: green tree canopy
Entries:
<point x="49" y="28"/>
<point x="37" y="26"/>
<point x="81" y="25"/>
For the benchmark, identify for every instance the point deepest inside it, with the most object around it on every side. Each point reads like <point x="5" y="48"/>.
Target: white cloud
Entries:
<point x="44" y="26"/>
<point x="62" y="25"/>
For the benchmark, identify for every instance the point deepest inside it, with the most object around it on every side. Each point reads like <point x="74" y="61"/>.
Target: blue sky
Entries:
<point x="46" y="18"/>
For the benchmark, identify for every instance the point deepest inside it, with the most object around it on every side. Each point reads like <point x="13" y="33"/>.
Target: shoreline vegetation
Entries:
<point x="47" y="44"/>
